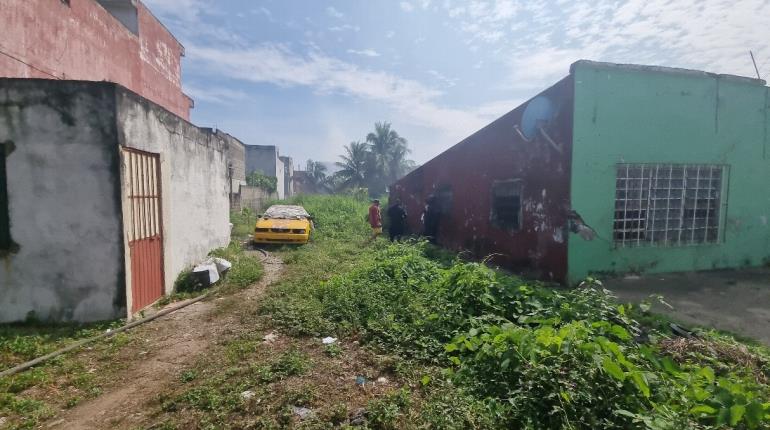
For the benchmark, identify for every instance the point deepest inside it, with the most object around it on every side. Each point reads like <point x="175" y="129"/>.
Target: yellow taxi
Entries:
<point x="283" y="224"/>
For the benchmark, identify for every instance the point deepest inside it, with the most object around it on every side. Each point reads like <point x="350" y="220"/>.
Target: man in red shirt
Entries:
<point x="375" y="219"/>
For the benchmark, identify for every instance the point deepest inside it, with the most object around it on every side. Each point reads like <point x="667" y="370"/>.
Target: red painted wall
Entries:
<point x="49" y="39"/>
<point x="497" y="153"/>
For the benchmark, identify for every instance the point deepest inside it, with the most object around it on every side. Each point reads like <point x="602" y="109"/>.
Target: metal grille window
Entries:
<point x="5" y="224"/>
<point x="667" y="204"/>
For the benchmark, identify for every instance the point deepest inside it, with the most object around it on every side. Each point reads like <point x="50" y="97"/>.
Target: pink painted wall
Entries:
<point x="51" y="40"/>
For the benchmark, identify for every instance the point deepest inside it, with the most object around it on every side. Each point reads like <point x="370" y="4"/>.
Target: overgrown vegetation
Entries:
<point x="73" y="378"/>
<point x="517" y="354"/>
<point x="258" y="179"/>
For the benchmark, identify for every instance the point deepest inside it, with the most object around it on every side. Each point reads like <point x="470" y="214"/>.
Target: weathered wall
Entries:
<point x="498" y="152"/>
<point x="236" y="160"/>
<point x="647" y="115"/>
<point x="288" y="175"/>
<point x="64" y="201"/>
<point x="265" y="159"/>
<point x="255" y="198"/>
<point x="194" y="180"/>
<point x="50" y="39"/>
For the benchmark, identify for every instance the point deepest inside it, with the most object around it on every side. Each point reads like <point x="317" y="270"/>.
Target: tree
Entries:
<point x="389" y="151"/>
<point x="354" y="167"/>
<point x="376" y="163"/>
<point x="316" y="173"/>
<point x="257" y="179"/>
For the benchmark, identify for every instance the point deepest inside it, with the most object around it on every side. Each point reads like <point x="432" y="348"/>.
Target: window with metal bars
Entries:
<point x="5" y="223"/>
<point x="667" y="204"/>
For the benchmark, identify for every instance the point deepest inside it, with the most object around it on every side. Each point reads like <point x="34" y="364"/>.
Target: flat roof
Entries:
<point x="663" y="69"/>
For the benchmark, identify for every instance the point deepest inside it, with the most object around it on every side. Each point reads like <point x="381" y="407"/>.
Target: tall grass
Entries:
<point x="515" y="353"/>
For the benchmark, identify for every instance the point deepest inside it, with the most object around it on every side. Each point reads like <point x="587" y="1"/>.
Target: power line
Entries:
<point x="27" y="64"/>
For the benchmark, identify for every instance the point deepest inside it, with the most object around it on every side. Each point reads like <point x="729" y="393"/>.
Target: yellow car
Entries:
<point x="283" y="224"/>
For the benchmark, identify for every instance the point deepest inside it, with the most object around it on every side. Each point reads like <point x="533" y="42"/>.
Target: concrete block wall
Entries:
<point x="194" y="178"/>
<point x="64" y="202"/>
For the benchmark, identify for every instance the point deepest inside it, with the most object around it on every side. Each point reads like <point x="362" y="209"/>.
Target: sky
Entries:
<point x="312" y="76"/>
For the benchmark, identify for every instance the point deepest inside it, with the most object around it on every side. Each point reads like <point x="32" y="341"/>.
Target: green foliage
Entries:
<point x="517" y="354"/>
<point x="376" y="163"/>
<point x="246" y="269"/>
<point x="243" y="223"/>
<point x="267" y="183"/>
<point x="384" y="413"/>
<point x="186" y="282"/>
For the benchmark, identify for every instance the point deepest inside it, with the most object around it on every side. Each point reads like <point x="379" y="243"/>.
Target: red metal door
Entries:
<point x="144" y="231"/>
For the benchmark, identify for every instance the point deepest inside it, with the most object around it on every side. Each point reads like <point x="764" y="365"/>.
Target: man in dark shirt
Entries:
<point x="430" y="219"/>
<point x="397" y="219"/>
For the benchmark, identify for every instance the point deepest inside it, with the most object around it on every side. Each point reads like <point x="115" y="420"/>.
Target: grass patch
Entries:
<point x="26" y="398"/>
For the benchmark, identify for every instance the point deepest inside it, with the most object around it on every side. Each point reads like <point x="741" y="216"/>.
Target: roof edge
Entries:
<point x="664" y="69"/>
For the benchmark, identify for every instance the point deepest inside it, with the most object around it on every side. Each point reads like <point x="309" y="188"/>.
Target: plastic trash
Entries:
<point x="222" y="265"/>
<point x="360" y="380"/>
<point x="359" y="417"/>
<point x="270" y="337"/>
<point x="301" y="412"/>
<point x="248" y="394"/>
<point x="329" y="340"/>
<point x="382" y="380"/>
<point x="207" y="270"/>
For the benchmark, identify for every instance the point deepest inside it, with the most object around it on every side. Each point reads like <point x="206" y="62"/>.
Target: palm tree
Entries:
<point x="389" y="152"/>
<point x="354" y="167"/>
<point x="316" y="172"/>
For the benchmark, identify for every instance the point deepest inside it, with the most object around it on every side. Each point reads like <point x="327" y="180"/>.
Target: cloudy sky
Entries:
<point x="311" y="76"/>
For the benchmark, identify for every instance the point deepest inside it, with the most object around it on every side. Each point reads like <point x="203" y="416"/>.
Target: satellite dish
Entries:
<point x="538" y="113"/>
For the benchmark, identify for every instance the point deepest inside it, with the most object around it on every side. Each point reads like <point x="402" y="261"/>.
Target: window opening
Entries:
<point x="506" y="204"/>
<point x="667" y="204"/>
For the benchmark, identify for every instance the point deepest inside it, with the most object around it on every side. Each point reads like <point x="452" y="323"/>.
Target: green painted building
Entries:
<point x="670" y="170"/>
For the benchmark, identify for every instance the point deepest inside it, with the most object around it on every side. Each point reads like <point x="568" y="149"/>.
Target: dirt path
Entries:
<point x="170" y="343"/>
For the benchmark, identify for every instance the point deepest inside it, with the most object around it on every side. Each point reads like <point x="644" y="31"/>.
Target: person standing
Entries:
<point x="397" y="220"/>
<point x="375" y="219"/>
<point x="430" y="218"/>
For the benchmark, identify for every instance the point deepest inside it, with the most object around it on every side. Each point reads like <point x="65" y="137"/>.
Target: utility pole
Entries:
<point x="755" y="64"/>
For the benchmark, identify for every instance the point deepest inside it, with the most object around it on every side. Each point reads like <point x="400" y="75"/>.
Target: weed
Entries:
<point x="333" y="350"/>
<point x="385" y="412"/>
<point x="188" y="376"/>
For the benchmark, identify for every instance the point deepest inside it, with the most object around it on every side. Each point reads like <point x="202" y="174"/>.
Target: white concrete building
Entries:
<point x="105" y="198"/>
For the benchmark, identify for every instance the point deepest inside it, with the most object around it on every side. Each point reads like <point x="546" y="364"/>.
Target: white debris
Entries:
<point x="270" y="337"/>
<point x="302" y="413"/>
<point x="210" y="267"/>
<point x="248" y="394"/>
<point x="382" y="380"/>
<point x="222" y="265"/>
<point x="329" y="340"/>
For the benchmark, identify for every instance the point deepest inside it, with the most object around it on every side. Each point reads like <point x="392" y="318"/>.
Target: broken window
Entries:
<point x="506" y="204"/>
<point x="5" y="225"/>
<point x="667" y="204"/>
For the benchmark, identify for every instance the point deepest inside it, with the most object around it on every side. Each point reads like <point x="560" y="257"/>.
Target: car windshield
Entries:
<point x="286" y="212"/>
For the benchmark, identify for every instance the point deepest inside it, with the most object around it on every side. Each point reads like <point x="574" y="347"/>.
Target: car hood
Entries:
<point x="282" y="223"/>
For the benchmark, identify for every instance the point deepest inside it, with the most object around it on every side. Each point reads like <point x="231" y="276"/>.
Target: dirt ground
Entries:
<point x="171" y="342"/>
<point x="737" y="301"/>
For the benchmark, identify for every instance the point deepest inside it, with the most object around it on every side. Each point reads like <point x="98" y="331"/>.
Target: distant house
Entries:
<point x="105" y="197"/>
<point x="614" y="169"/>
<point x="267" y="160"/>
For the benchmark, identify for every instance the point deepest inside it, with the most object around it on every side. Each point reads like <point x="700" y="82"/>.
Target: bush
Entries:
<point x="541" y="358"/>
